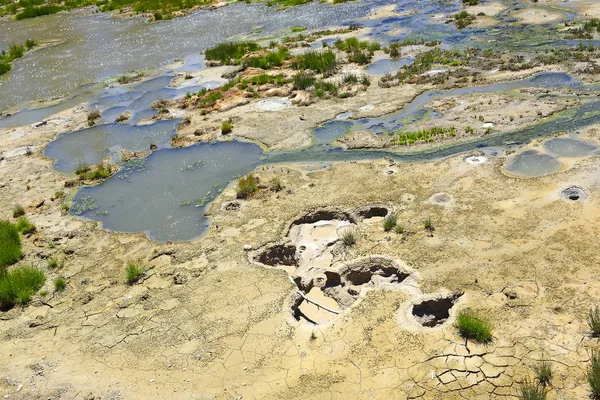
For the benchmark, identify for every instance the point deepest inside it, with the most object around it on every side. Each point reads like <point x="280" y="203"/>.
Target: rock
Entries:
<point x="36" y="204"/>
<point x="247" y="247"/>
<point x="127" y="155"/>
<point x="302" y="99"/>
<point x="232" y="103"/>
<point x="511" y="294"/>
<point x="180" y="278"/>
<point x="279" y="92"/>
<point x="38" y="124"/>
<point x="220" y="4"/>
<point x="123" y="117"/>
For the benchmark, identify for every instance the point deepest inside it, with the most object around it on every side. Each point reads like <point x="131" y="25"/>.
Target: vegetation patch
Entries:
<point x="389" y="222"/>
<point x="423" y="136"/>
<point x="462" y="19"/>
<point x="320" y="61"/>
<point x="60" y="284"/>
<point x="268" y="60"/>
<point x="14" y="52"/>
<point x="33" y="12"/>
<point x="10" y="251"/>
<point x="19" y="285"/>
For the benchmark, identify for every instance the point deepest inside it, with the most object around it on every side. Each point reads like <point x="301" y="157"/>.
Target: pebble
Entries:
<point x="247" y="247"/>
<point x="151" y="380"/>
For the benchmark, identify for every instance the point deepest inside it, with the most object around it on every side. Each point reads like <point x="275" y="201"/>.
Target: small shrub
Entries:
<point x="594" y="321"/>
<point x="543" y="372"/>
<point x="532" y="391"/>
<point x="133" y="272"/>
<point x="226" y="127"/>
<point x="53" y="263"/>
<point x="247" y="186"/>
<point x="399" y="229"/>
<point x="269" y="60"/>
<point x="24" y="226"/>
<point x="19" y="285"/>
<point x="18" y="211"/>
<point x="389" y="222"/>
<point x="348" y="237"/>
<point x="60" y="284"/>
<point x="10" y="251"/>
<point x="471" y="327"/>
<point x="593" y="376"/>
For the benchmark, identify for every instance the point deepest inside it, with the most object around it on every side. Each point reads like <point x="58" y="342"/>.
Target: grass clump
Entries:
<point x="593" y="375"/>
<point x="18" y="211"/>
<point x="10" y="251"/>
<point x="389" y="222"/>
<point x="230" y="53"/>
<point x="472" y="327"/>
<point x="24" y="226"/>
<point x="593" y="321"/>
<point x="321" y="61"/>
<point x="19" y="285"/>
<point x="134" y="272"/>
<point x="348" y="237"/>
<point x="428" y="225"/>
<point x="226" y="127"/>
<point x="532" y="391"/>
<point x="60" y="284"/>
<point x="399" y="229"/>
<point x="543" y="372"/>
<point x="247" y="186"/>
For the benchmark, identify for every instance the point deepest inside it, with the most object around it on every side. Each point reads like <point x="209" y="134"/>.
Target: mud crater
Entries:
<point x="434" y="312"/>
<point x="574" y="193"/>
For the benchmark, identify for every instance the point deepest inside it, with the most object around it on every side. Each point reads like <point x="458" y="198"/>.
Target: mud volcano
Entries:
<point x="574" y="193"/>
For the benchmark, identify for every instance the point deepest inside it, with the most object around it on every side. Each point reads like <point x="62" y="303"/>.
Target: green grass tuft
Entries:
<point x="532" y="391"/>
<point x="134" y="272"/>
<point x="226" y="127"/>
<point x="389" y="222"/>
<point x="18" y="211"/>
<point x="474" y="328"/>
<point x="247" y="186"/>
<point x="10" y="251"/>
<point x="543" y="372"/>
<point x="60" y="284"/>
<point x="19" y="285"/>
<point x="594" y="321"/>
<point x="348" y="237"/>
<point x="593" y="376"/>
<point x="24" y="226"/>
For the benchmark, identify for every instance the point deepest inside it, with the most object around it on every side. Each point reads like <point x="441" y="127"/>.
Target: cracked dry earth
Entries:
<point x="208" y="321"/>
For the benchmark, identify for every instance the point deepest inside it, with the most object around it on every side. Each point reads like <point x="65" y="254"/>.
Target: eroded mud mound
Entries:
<point x="373" y="269"/>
